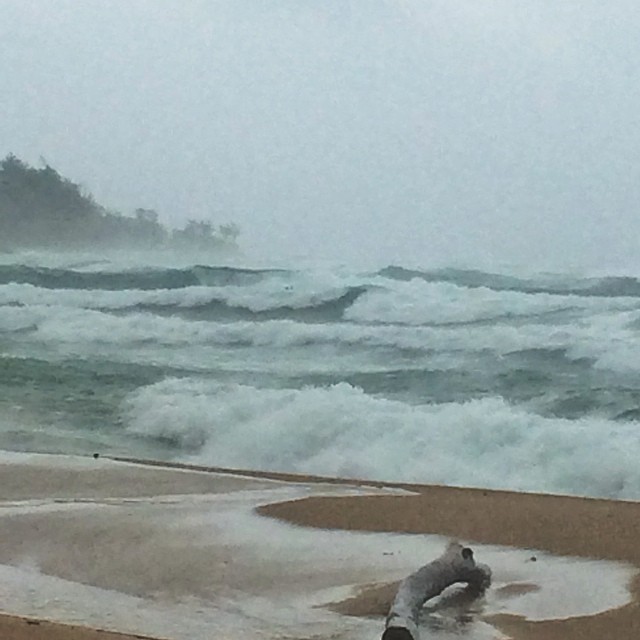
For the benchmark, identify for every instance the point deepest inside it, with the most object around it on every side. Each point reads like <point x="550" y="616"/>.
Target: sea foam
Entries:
<point x="341" y="431"/>
<point x="458" y="377"/>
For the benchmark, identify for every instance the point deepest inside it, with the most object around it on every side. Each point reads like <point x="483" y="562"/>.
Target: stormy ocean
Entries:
<point x="451" y="376"/>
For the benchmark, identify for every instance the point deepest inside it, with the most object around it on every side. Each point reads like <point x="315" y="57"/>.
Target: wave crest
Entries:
<point x="341" y="431"/>
<point x="606" y="287"/>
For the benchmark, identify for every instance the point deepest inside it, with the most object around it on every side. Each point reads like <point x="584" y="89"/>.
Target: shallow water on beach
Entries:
<point x="197" y="560"/>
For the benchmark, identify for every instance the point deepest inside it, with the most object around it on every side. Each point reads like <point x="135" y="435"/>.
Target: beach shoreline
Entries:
<point x="563" y="525"/>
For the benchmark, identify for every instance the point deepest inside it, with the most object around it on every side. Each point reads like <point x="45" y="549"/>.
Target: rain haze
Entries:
<point x="442" y="132"/>
<point x="436" y="282"/>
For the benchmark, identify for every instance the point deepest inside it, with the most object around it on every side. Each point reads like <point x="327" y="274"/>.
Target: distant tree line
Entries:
<point x="40" y="209"/>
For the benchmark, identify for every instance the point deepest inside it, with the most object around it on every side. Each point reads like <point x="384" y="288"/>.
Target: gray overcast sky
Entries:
<point x="461" y="131"/>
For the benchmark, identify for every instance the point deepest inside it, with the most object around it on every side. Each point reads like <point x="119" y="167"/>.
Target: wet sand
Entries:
<point x="17" y="628"/>
<point x="91" y="493"/>
<point x="569" y="526"/>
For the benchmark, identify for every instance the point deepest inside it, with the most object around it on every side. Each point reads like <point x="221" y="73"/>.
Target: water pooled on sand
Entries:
<point x="181" y="554"/>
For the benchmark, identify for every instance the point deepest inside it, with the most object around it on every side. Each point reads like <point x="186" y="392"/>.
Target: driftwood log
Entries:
<point x="456" y="564"/>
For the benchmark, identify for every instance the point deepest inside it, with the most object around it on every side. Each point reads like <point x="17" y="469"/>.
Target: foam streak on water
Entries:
<point x="449" y="376"/>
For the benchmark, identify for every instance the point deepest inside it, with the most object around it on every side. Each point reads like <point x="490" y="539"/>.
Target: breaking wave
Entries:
<point x="143" y="279"/>
<point x="606" y="287"/>
<point x="341" y="431"/>
<point x="451" y="376"/>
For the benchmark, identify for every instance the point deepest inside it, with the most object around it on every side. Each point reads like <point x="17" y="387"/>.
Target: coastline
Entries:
<point x="562" y="525"/>
<point x="19" y="628"/>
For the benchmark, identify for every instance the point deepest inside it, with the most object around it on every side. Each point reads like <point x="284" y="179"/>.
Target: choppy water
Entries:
<point x="449" y="376"/>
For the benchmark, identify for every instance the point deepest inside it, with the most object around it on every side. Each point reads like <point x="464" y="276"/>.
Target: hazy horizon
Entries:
<point x="442" y="132"/>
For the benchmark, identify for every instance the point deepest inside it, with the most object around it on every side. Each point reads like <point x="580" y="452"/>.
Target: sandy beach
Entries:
<point x="559" y="524"/>
<point x="17" y="628"/>
<point x="150" y="551"/>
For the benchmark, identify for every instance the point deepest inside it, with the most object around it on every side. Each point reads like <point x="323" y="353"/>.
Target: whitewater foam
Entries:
<point x="434" y="376"/>
<point x="341" y="431"/>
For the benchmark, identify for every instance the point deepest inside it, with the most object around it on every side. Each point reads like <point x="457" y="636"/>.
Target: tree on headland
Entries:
<point x="40" y="209"/>
<point x="229" y="231"/>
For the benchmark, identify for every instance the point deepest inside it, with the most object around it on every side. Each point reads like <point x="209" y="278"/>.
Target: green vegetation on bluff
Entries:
<point x="40" y="209"/>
